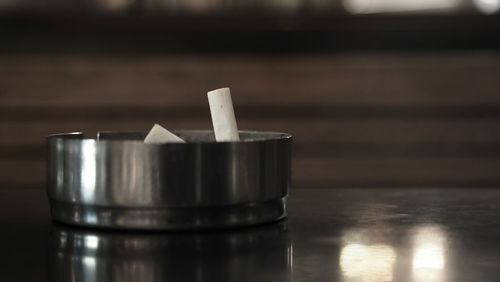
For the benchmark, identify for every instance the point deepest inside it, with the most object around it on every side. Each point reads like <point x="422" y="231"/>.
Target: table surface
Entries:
<point x="330" y="235"/>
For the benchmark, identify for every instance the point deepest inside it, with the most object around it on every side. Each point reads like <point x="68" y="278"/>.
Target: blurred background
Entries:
<point x="377" y="93"/>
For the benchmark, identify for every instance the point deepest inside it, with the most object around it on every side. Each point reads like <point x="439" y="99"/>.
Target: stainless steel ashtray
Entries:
<point x="117" y="181"/>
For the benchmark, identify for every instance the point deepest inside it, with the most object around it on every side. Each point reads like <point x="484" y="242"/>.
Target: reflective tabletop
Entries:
<point x="329" y="235"/>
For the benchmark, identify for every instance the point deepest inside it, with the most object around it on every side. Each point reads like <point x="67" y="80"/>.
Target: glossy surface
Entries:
<point x="330" y="235"/>
<point x="213" y="256"/>
<point x="117" y="181"/>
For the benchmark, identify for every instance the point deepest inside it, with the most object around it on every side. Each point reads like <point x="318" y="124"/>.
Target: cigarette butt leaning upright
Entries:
<point x="222" y="112"/>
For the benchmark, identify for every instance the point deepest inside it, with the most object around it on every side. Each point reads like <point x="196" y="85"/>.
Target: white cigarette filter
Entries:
<point x="158" y="135"/>
<point x="222" y="112"/>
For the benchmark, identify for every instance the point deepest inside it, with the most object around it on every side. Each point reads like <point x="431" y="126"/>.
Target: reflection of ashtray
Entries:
<point x="117" y="181"/>
<point x="262" y="252"/>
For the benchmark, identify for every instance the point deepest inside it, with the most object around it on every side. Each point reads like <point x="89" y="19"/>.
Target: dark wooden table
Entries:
<point x="330" y="235"/>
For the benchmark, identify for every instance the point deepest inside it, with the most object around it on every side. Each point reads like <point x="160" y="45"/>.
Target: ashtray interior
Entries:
<point x="193" y="136"/>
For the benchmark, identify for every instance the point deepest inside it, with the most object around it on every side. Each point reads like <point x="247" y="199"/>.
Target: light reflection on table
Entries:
<point x="367" y="256"/>
<point x="226" y="255"/>
<point x="367" y="262"/>
<point x="428" y="254"/>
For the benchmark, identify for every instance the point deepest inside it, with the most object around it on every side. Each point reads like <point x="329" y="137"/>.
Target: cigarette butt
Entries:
<point x="158" y="135"/>
<point x="222" y="112"/>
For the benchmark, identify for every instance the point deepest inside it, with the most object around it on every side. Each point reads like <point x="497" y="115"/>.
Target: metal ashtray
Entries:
<point x="117" y="181"/>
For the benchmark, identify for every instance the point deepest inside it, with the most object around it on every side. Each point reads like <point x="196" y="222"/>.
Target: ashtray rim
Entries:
<point x="268" y="136"/>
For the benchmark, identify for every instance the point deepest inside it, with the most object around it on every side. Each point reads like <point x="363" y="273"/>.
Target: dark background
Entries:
<point x="374" y="96"/>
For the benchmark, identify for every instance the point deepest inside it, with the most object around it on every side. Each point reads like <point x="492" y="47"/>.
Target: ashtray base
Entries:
<point x="169" y="218"/>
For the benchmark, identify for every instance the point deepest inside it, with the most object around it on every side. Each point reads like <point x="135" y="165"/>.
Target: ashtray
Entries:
<point x="118" y="181"/>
